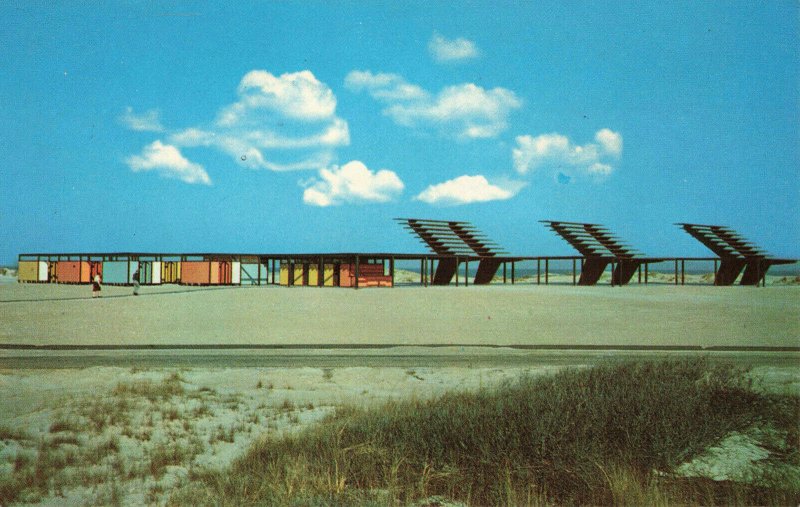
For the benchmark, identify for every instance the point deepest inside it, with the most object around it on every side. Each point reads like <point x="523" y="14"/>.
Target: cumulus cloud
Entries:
<point x="297" y="95"/>
<point x="279" y="123"/>
<point x="466" y="111"/>
<point x="149" y="121"/>
<point x="468" y="189"/>
<point x="451" y="50"/>
<point x="169" y="162"/>
<point x="610" y="141"/>
<point x="558" y="151"/>
<point x="351" y="183"/>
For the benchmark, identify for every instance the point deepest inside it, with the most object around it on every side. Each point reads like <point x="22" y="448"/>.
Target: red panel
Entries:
<point x="369" y="275"/>
<point x="95" y="268"/>
<point x="225" y="270"/>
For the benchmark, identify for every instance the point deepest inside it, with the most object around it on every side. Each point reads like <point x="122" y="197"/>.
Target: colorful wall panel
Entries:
<point x="220" y="273"/>
<point x="196" y="272"/>
<point x="369" y="275"/>
<point x="313" y="275"/>
<point x="298" y="274"/>
<point x="32" y="271"/>
<point x="328" y="273"/>
<point x="156" y="276"/>
<point x="70" y="271"/>
<point x="115" y="272"/>
<point x="236" y="273"/>
<point x="249" y="274"/>
<point x="133" y="266"/>
<point x="170" y="272"/>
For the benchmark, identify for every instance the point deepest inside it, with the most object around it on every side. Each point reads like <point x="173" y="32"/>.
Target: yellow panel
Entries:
<point x="298" y="274"/>
<point x="284" y="274"/>
<point x="313" y="279"/>
<point x="170" y="272"/>
<point x="28" y="271"/>
<point x="329" y="269"/>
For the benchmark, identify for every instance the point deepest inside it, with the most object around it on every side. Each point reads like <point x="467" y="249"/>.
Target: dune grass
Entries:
<point x="611" y="434"/>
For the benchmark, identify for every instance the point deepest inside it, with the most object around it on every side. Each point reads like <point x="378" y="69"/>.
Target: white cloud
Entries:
<point x="468" y="189"/>
<point x="350" y="183"/>
<point x="169" y="162"/>
<point x="149" y="121"/>
<point x="466" y="111"/>
<point x="447" y="50"/>
<point x="298" y="95"/>
<point x="282" y="123"/>
<point x="383" y="86"/>
<point x="557" y="151"/>
<point x="610" y="141"/>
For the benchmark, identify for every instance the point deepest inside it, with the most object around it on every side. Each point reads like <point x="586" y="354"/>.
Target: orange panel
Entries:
<point x="86" y="272"/>
<point x="68" y="271"/>
<point x="214" y="272"/>
<point x="345" y="278"/>
<point x="195" y="272"/>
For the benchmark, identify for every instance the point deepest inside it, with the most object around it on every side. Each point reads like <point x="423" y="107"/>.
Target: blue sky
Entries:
<point x="307" y="126"/>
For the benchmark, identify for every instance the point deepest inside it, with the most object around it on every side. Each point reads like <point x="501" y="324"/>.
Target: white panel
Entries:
<point x="156" y="272"/>
<point x="42" y="271"/>
<point x="236" y="273"/>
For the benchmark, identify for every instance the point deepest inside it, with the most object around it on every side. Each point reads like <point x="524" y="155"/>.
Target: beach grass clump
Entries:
<point x="170" y="386"/>
<point x="612" y="434"/>
<point x="7" y="433"/>
<point x="173" y="452"/>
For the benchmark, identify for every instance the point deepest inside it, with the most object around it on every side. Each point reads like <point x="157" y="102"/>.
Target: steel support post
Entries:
<point x="574" y="279"/>
<point x="355" y="285"/>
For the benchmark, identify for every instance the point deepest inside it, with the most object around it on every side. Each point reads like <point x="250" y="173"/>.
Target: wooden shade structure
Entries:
<point x="455" y="242"/>
<point x="735" y="253"/>
<point x="600" y="248"/>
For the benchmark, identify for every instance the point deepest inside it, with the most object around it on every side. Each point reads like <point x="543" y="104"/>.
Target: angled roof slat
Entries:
<point x="449" y="237"/>
<point x="724" y="241"/>
<point x="592" y="240"/>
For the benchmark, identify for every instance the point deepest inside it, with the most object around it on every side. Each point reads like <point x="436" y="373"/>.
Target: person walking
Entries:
<point x="136" y="282"/>
<point x="96" y="286"/>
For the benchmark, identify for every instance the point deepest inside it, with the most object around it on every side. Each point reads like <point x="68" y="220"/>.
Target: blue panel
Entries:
<point x="250" y="274"/>
<point x="115" y="272"/>
<point x="133" y="268"/>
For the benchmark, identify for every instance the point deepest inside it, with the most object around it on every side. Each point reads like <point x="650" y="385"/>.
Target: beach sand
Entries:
<point x="529" y="315"/>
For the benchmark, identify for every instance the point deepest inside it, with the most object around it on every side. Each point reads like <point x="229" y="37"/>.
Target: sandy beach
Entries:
<point x="525" y="315"/>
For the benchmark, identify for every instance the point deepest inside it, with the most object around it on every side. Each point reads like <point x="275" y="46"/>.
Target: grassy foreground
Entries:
<point x="612" y="434"/>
